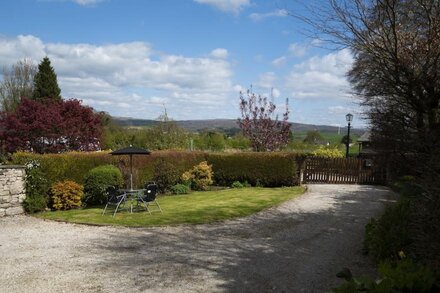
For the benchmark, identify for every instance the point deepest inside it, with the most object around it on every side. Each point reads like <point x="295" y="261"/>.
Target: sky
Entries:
<point x="133" y="58"/>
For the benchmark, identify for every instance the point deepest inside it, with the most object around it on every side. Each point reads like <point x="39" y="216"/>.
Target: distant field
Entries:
<point x="331" y="137"/>
<point x="230" y="126"/>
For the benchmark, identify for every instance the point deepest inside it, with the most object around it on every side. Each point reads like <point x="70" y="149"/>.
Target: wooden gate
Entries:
<point x="341" y="170"/>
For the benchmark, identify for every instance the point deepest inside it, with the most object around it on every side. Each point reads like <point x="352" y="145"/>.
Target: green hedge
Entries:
<point x="75" y="165"/>
<point x="264" y="169"/>
<point x="67" y="166"/>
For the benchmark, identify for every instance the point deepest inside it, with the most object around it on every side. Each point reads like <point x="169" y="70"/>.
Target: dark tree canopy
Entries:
<point x="344" y="139"/>
<point x="259" y="125"/>
<point x="50" y="127"/>
<point x="313" y="136"/>
<point x="45" y="83"/>
<point x="396" y="77"/>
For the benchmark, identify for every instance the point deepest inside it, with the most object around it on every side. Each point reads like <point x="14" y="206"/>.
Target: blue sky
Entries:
<point x="132" y="57"/>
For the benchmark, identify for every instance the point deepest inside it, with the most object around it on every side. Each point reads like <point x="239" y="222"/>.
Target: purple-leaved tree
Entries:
<point x="257" y="122"/>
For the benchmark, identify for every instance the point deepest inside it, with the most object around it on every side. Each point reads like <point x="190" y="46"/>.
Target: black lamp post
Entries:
<point x="349" y="118"/>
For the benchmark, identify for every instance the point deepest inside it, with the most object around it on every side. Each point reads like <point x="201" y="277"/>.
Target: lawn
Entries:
<point x="194" y="208"/>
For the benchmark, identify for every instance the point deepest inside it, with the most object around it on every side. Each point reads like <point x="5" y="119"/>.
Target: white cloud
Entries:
<point x="321" y="77"/>
<point x="87" y="2"/>
<point x="297" y="50"/>
<point x="110" y="77"/>
<point x="262" y="16"/>
<point x="339" y="110"/>
<point x="267" y="80"/>
<point x="276" y="93"/>
<point x="219" y="53"/>
<point x="230" y="6"/>
<point x="279" y="61"/>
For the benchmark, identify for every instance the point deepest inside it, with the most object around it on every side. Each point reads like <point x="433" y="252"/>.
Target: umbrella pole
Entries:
<point x="131" y="172"/>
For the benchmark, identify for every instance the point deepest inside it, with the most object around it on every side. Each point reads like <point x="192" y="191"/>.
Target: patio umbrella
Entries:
<point x="131" y="151"/>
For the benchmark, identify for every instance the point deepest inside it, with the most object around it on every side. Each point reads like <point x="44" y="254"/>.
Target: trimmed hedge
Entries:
<point x="261" y="169"/>
<point x="67" y="166"/>
<point x="75" y="165"/>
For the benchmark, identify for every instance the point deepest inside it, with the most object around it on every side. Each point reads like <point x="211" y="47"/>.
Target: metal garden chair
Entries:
<point x="114" y="198"/>
<point x="148" y="197"/>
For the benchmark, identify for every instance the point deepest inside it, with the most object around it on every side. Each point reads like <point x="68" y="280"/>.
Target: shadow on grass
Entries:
<point x="296" y="248"/>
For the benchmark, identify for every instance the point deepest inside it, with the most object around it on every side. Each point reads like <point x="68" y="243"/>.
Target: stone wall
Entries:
<point x="12" y="190"/>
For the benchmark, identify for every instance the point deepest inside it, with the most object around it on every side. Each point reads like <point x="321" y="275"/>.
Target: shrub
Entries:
<point x="407" y="276"/>
<point x="401" y="276"/>
<point x="263" y="169"/>
<point x="66" y="195"/>
<point x="97" y="181"/>
<point x="36" y="188"/>
<point x="238" y="184"/>
<point x="165" y="175"/>
<point x="327" y="152"/>
<point x="199" y="177"/>
<point x="180" y="189"/>
<point x="389" y="234"/>
<point x="407" y="186"/>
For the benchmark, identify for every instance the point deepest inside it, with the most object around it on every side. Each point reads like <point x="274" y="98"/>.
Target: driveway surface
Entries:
<point x="298" y="246"/>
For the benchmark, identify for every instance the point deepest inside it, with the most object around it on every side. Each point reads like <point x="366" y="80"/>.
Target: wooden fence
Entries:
<point x="343" y="171"/>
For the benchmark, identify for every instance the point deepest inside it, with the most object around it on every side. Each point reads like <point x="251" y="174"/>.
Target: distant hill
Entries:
<point x="227" y="125"/>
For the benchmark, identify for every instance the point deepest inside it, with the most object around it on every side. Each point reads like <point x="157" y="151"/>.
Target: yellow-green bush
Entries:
<point x="199" y="177"/>
<point x="66" y="195"/>
<point x="327" y="152"/>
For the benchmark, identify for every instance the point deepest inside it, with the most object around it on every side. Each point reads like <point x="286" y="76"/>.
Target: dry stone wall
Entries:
<point x="12" y="190"/>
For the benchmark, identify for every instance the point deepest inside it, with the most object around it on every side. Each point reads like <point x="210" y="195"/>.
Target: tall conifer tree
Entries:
<point x="45" y="83"/>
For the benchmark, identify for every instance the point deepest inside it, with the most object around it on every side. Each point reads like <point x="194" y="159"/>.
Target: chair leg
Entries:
<point x="104" y="209"/>
<point x="155" y="201"/>
<point x="146" y="207"/>
<point x="117" y="207"/>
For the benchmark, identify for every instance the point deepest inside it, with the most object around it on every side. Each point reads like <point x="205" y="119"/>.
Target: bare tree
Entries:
<point x="396" y="76"/>
<point x="18" y="82"/>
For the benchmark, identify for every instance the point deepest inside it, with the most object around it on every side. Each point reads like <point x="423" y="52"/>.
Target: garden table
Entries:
<point x="130" y="195"/>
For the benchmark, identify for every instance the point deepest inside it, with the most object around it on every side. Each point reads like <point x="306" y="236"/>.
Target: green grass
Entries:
<point x="194" y="208"/>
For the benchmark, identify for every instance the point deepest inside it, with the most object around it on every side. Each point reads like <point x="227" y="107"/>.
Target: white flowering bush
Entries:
<point x="37" y="188"/>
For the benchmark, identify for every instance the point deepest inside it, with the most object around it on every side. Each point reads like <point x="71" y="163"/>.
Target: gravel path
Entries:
<point x="296" y="247"/>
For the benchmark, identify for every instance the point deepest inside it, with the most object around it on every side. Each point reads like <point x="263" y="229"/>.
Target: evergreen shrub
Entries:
<point x="389" y="234"/>
<point x="238" y="184"/>
<point x="97" y="181"/>
<point x="180" y="189"/>
<point x="165" y="175"/>
<point x="36" y="188"/>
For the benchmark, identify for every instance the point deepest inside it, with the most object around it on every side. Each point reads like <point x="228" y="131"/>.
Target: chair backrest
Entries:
<point x="112" y="194"/>
<point x="150" y="191"/>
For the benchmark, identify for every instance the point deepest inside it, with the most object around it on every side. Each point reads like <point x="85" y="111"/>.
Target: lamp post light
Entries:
<point x="349" y="118"/>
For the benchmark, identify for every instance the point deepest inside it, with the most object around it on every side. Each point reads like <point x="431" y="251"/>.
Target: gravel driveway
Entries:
<point x="296" y="247"/>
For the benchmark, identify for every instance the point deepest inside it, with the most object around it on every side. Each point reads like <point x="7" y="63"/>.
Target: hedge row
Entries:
<point x="75" y="165"/>
<point x="266" y="169"/>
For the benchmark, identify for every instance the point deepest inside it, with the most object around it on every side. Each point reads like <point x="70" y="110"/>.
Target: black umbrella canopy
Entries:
<point x="131" y="151"/>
